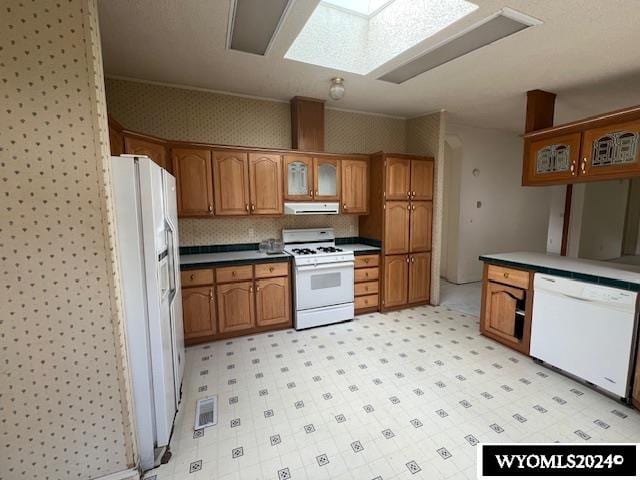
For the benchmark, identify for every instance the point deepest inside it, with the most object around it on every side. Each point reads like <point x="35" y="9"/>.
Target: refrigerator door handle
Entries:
<point x="173" y="279"/>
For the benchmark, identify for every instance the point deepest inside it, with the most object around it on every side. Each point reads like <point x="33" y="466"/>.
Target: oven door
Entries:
<point x="324" y="285"/>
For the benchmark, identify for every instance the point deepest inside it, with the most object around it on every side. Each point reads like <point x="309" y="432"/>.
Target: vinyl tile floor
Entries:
<point x="402" y="395"/>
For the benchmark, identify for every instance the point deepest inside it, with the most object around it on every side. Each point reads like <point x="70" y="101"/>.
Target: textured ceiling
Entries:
<point x="585" y="51"/>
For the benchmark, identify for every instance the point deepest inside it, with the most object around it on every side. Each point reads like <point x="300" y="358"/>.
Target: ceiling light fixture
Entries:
<point x="336" y="90"/>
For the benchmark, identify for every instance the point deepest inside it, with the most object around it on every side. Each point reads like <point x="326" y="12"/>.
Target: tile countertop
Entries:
<point x="219" y="259"/>
<point x="604" y="273"/>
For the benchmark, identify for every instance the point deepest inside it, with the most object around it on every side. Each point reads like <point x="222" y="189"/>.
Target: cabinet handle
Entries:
<point x="344" y="206"/>
<point x="311" y="193"/>
<point x="316" y="192"/>
<point x="583" y="167"/>
<point x="211" y="208"/>
<point x="250" y="289"/>
<point x="506" y="274"/>
<point x="573" y="168"/>
<point x="271" y="269"/>
<point x="246" y="207"/>
<point x="233" y="273"/>
<point x="409" y="194"/>
<point x="211" y="294"/>
<point x="413" y="259"/>
<point x="413" y="207"/>
<point x="257" y="288"/>
<point x="413" y="193"/>
<point x="191" y="276"/>
<point x="408" y="207"/>
<point x="253" y="207"/>
<point x="407" y="258"/>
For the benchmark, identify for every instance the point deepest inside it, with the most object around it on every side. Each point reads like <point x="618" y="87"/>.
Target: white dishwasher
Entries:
<point x="586" y="330"/>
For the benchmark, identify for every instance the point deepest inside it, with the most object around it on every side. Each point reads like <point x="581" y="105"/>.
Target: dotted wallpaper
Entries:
<point x="63" y="399"/>
<point x="425" y="136"/>
<point x="224" y="231"/>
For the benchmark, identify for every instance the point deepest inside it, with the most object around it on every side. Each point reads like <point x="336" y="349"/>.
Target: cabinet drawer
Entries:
<point x="363" y="261"/>
<point x="191" y="278"/>
<point x="509" y="276"/>
<point x="366" y="302"/>
<point x="265" y="270"/>
<point x="234" y="274"/>
<point x="368" y="288"/>
<point x="366" y="274"/>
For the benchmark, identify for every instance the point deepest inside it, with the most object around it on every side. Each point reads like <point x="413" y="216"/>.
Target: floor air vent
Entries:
<point x="501" y="25"/>
<point x="206" y="412"/>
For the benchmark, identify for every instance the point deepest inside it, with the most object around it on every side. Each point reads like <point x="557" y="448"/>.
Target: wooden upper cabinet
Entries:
<point x="298" y="177"/>
<point x="355" y="186"/>
<point x="265" y="180"/>
<point x="198" y="312"/>
<point x="231" y="179"/>
<point x="396" y="227"/>
<point x="422" y="179"/>
<point x="192" y="168"/>
<point x="419" y="277"/>
<point x="552" y="160"/>
<point x="398" y="178"/>
<point x="307" y="124"/>
<point x="326" y="179"/>
<point x="116" y="141"/>
<point x="273" y="305"/>
<point x="396" y="268"/>
<point x="420" y="226"/>
<point x="612" y="151"/>
<point x="154" y="150"/>
<point x="236" y="309"/>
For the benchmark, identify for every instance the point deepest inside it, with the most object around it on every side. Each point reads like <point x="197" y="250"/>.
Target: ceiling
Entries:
<point x="585" y="51"/>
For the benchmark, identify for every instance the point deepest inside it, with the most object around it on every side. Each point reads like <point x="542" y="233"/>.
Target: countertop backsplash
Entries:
<point x="225" y="231"/>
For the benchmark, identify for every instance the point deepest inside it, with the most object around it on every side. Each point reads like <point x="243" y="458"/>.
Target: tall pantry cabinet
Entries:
<point x="401" y="217"/>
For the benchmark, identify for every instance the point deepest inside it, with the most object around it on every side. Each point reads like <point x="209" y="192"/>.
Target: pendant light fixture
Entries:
<point x="336" y="90"/>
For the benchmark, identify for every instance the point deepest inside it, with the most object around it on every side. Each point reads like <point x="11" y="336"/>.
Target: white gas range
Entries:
<point x="323" y="277"/>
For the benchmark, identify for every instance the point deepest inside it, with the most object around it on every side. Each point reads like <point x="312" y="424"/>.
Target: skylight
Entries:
<point x="360" y="35"/>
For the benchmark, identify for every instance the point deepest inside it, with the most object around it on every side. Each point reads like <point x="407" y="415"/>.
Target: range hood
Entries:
<point x="311" y="208"/>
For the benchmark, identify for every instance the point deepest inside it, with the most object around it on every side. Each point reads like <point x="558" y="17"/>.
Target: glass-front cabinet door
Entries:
<point x="612" y="150"/>
<point x="552" y="159"/>
<point x="326" y="179"/>
<point x="299" y="177"/>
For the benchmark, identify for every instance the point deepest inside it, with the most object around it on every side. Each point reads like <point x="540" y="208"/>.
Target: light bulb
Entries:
<point x="336" y="90"/>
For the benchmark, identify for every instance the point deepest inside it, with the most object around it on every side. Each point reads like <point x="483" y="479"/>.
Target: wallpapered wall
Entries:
<point x="64" y="410"/>
<point x="196" y="115"/>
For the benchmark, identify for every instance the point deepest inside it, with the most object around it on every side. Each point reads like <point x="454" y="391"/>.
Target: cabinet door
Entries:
<point x="422" y="179"/>
<point x="551" y="161"/>
<point x="231" y="180"/>
<point x="155" y="151"/>
<point x="116" y="141"/>
<point x="298" y="182"/>
<point x="420" y="226"/>
<point x="611" y="152"/>
<point x="396" y="227"/>
<point x="265" y="180"/>
<point x="272" y="301"/>
<point x="398" y="178"/>
<point x="326" y="179"/>
<point x="198" y="312"/>
<point x="499" y="317"/>
<point x="396" y="269"/>
<point x="235" y="306"/>
<point x="419" y="277"/>
<point x="192" y="168"/>
<point x="355" y="186"/>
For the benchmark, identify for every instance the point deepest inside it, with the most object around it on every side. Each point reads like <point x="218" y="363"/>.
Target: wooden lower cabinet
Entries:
<point x="198" y="312"/>
<point x="236" y="306"/>
<point x="273" y="305"/>
<point x="419" y="277"/>
<point x="396" y="280"/>
<point x="366" y="283"/>
<point x="236" y="300"/>
<point x="506" y="306"/>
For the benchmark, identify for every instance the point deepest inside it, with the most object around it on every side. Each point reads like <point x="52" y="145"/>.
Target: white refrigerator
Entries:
<point x="146" y="222"/>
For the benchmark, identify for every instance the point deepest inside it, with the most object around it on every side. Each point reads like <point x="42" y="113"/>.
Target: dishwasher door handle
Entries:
<point x="573" y="297"/>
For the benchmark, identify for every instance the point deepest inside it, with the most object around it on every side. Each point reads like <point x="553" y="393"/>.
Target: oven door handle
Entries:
<point x="324" y="266"/>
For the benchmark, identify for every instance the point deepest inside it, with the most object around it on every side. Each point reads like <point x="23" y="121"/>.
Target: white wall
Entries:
<point x="605" y="206"/>
<point x="508" y="218"/>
